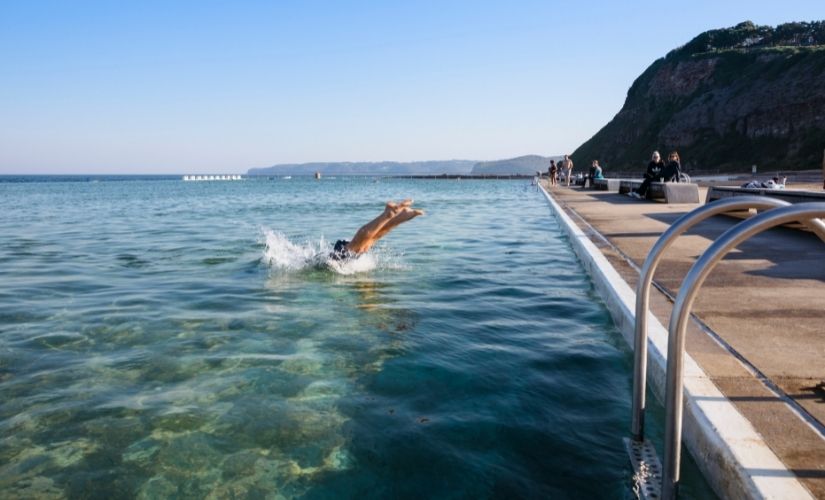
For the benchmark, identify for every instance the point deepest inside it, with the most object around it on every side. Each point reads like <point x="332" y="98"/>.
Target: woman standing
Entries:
<point x="552" y="172"/>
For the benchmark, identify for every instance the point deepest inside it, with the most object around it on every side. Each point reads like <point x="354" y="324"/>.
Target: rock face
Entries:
<point x="729" y="99"/>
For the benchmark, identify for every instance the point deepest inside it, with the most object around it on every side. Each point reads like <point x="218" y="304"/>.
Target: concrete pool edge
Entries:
<point x="730" y="453"/>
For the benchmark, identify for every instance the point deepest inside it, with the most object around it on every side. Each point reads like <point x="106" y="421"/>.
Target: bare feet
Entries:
<point x="407" y="214"/>
<point x="393" y="215"/>
<point x="392" y="208"/>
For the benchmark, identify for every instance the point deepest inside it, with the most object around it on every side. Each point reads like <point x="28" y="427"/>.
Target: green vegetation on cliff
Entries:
<point x="728" y="99"/>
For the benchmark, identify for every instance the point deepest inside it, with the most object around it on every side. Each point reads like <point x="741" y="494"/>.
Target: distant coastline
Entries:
<point x="45" y="178"/>
<point x="521" y="165"/>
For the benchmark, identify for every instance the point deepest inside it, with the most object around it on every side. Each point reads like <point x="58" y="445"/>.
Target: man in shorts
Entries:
<point x="567" y="164"/>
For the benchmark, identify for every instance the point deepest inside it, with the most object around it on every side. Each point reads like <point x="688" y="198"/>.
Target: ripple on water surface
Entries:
<point x="167" y="339"/>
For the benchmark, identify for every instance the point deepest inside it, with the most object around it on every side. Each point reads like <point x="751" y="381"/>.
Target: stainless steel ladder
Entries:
<point x="652" y="480"/>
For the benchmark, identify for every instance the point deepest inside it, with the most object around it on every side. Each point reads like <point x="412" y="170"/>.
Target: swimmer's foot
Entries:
<point x="406" y="214"/>
<point x="392" y="208"/>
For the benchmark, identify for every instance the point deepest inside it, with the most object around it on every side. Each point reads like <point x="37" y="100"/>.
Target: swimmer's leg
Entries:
<point x="403" y="216"/>
<point x="363" y="239"/>
<point x="393" y="215"/>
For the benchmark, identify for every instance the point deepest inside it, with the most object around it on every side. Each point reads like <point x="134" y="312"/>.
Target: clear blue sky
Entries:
<point x="219" y="87"/>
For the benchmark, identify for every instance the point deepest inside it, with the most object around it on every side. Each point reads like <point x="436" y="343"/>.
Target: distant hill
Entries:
<point x="527" y="165"/>
<point x="461" y="167"/>
<point x="728" y="99"/>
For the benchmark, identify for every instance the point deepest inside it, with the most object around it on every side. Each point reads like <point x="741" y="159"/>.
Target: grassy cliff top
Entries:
<point x="748" y="36"/>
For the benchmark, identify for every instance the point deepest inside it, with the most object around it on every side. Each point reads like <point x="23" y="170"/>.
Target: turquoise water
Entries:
<point x="161" y="339"/>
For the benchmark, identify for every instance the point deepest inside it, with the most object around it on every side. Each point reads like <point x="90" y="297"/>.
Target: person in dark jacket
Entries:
<point x="673" y="169"/>
<point x="654" y="172"/>
<point x="590" y="174"/>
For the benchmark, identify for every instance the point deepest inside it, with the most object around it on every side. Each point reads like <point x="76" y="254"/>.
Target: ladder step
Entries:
<point x="647" y="470"/>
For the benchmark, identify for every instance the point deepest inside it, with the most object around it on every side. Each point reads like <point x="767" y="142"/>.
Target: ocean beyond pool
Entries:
<point x="161" y="338"/>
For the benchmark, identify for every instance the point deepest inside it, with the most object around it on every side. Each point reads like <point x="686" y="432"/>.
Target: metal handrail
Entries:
<point x="674" y="404"/>
<point x="676" y="229"/>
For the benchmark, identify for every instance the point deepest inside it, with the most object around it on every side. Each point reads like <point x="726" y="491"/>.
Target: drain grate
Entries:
<point x="647" y="470"/>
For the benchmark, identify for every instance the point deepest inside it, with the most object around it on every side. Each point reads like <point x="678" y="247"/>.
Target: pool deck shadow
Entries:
<point x="765" y="303"/>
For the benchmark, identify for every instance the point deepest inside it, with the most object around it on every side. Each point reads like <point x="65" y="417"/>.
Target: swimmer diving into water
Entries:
<point x="393" y="215"/>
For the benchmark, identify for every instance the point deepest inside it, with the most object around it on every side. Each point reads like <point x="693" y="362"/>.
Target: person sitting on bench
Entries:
<point x="597" y="171"/>
<point x="654" y="170"/>
<point x="673" y="170"/>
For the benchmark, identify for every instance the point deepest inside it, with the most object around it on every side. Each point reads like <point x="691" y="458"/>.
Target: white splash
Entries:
<point x="281" y="254"/>
<point x="285" y="256"/>
<point x="361" y="264"/>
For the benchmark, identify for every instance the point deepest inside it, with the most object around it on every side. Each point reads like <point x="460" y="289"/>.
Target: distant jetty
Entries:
<point x="212" y="177"/>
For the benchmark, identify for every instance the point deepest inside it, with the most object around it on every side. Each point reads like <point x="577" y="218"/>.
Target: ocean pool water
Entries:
<point x="170" y="339"/>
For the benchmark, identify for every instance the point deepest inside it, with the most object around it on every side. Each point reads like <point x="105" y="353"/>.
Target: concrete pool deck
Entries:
<point x="764" y="305"/>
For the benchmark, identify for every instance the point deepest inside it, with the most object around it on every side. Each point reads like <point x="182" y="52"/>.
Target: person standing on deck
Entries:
<point x="552" y="172"/>
<point x="567" y="164"/>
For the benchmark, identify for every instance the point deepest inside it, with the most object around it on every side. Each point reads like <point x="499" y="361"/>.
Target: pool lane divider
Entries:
<point x="728" y="450"/>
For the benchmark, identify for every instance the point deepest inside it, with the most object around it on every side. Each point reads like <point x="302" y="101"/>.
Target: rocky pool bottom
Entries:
<point x="167" y="339"/>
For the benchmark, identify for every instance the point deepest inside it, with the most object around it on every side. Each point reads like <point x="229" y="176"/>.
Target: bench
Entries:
<point x="606" y="184"/>
<point x="789" y="195"/>
<point x="671" y="192"/>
